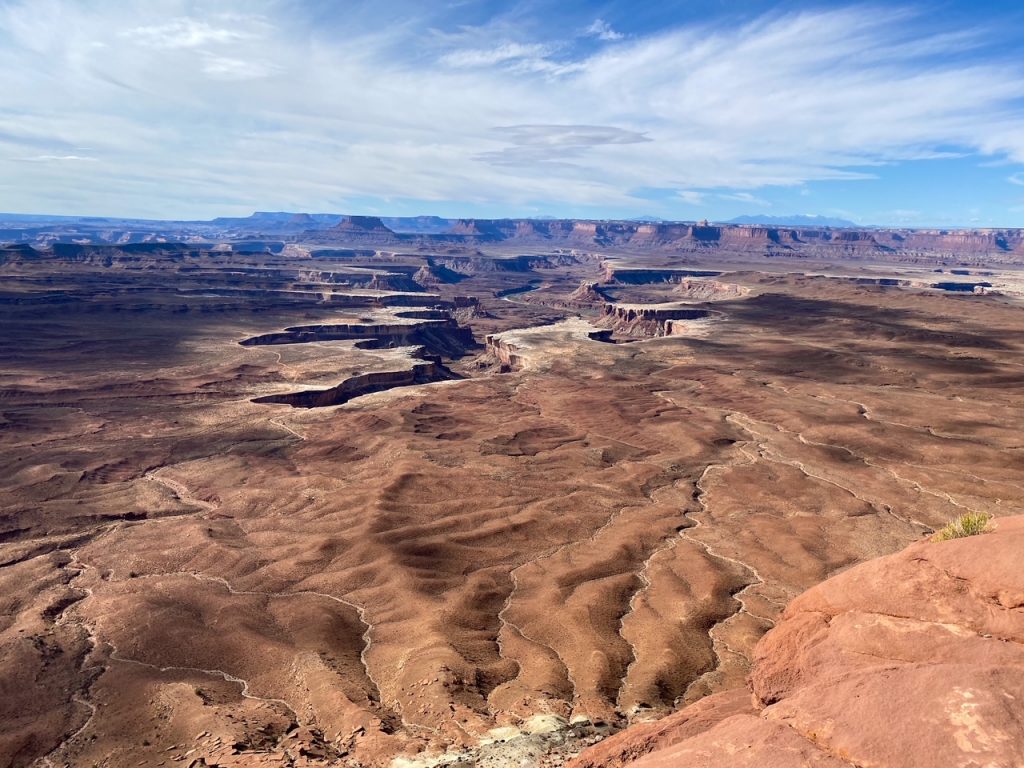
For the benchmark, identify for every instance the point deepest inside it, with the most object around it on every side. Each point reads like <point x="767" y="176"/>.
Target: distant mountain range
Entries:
<point x="423" y="225"/>
<point x="817" y="237"/>
<point x="796" y="220"/>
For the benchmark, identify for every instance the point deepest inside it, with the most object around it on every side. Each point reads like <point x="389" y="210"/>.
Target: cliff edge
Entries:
<point x="915" y="659"/>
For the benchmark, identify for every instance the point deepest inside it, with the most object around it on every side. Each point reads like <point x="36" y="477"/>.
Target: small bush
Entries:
<point x="968" y="524"/>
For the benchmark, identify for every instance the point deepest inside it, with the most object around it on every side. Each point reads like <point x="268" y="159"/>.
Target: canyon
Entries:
<point x="312" y="491"/>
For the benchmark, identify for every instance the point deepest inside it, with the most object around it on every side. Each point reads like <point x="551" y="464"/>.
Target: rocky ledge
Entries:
<point x="916" y="659"/>
<point x="649" y="320"/>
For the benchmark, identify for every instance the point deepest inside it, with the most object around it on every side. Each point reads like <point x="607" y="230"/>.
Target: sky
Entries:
<point x="903" y="114"/>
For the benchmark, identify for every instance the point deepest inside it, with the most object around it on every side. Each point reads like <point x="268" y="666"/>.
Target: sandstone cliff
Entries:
<point x="962" y="246"/>
<point x="649" y="320"/>
<point x="710" y="290"/>
<point x="916" y="659"/>
<point x="965" y="247"/>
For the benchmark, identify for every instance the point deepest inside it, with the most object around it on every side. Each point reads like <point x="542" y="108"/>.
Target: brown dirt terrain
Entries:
<point x="600" y="534"/>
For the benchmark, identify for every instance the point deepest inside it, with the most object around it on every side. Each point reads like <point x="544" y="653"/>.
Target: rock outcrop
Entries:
<point x="649" y="320"/>
<point x="433" y="275"/>
<point x="915" y="659"/>
<point x="710" y="290"/>
<point x="506" y="353"/>
<point x="392" y="281"/>
<point x="588" y="295"/>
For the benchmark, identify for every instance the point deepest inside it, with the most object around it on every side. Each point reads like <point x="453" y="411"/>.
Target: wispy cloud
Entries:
<point x="517" y="58"/>
<point x="55" y="159"/>
<point x="534" y="145"/>
<point x="602" y="30"/>
<point x="1017" y="178"/>
<point x="488" y="57"/>
<point x="195" y="104"/>
<point x="224" y="68"/>
<point x="185" y="32"/>
<point x="745" y="197"/>
<point x="570" y="135"/>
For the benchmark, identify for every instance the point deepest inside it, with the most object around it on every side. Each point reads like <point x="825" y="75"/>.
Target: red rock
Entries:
<point x="916" y="659"/>
<point x="644" y="738"/>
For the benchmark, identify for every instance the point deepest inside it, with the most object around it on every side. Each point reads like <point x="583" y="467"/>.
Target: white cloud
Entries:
<point x="602" y="30"/>
<point x="745" y="197"/>
<point x="55" y="159"/>
<point x="1017" y="178"/>
<point x="517" y="58"/>
<point x="554" y="145"/>
<point x="224" y="68"/>
<point x="234" y="106"/>
<point x="185" y="33"/>
<point x="488" y="57"/>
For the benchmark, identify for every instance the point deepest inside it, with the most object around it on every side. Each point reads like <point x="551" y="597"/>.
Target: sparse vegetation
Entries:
<point x="968" y="524"/>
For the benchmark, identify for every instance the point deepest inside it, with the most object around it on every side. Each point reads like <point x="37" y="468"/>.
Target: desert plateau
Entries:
<point x="486" y="501"/>
<point x="511" y="384"/>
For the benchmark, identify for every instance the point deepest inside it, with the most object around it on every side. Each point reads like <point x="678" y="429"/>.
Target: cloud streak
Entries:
<point x="185" y="33"/>
<point x="746" y="197"/>
<point x="602" y="30"/>
<point x="199" y="108"/>
<point x="55" y="159"/>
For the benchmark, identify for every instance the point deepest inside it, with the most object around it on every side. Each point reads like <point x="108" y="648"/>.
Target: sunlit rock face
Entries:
<point x="916" y="659"/>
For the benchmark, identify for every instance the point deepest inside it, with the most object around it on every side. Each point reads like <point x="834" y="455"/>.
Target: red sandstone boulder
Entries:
<point x="916" y="659"/>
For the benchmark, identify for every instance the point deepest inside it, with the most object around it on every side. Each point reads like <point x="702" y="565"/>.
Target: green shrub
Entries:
<point x="968" y="524"/>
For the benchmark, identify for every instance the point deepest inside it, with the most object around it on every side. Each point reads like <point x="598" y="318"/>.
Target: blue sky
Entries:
<point x="882" y="113"/>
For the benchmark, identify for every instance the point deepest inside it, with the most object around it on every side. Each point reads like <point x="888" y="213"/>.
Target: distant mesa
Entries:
<point x="476" y="228"/>
<point x="285" y="221"/>
<point x="362" y="224"/>
<point x="798" y="236"/>
<point x="710" y="290"/>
